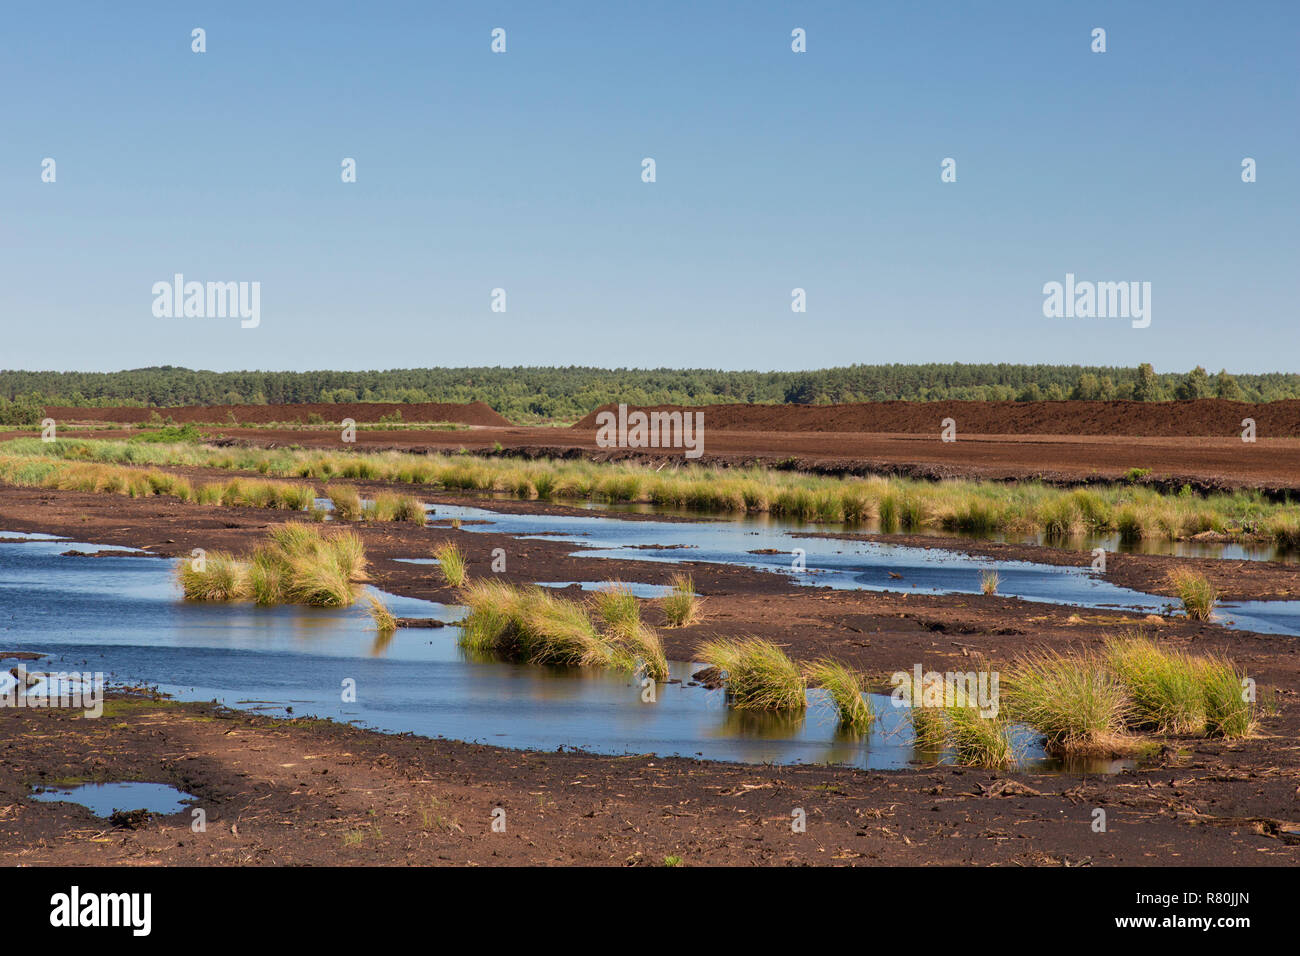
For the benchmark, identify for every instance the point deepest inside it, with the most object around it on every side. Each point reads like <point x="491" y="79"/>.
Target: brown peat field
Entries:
<point x="1095" y="621"/>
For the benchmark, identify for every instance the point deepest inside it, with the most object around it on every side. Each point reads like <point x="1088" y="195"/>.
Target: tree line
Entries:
<point x="535" y="393"/>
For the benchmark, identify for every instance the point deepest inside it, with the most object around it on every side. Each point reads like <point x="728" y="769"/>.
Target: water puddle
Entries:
<point x="763" y="544"/>
<point x="1112" y="542"/>
<point x="106" y="799"/>
<point x="125" y="618"/>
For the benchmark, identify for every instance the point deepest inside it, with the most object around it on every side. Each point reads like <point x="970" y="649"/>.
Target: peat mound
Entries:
<point x="1200" y="418"/>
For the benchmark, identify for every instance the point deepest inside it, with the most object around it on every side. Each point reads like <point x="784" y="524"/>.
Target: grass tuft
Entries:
<point x="1195" y="591"/>
<point x="682" y="607"/>
<point x="346" y="500"/>
<point x="451" y="563"/>
<point x="989" y="582"/>
<point x="297" y="564"/>
<point x="385" y="622"/>
<point x="1077" y="703"/>
<point x="758" y="674"/>
<point x="844" y="688"/>
<point x="616" y="606"/>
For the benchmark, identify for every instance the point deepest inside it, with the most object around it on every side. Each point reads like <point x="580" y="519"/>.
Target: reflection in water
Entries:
<point x="1112" y="542"/>
<point x="124" y="616"/>
<point x="763" y="543"/>
<point x="103" y="799"/>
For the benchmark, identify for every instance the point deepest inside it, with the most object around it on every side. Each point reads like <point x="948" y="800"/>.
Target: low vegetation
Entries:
<point x="1092" y="704"/>
<point x="1077" y="703"/>
<point x="451" y="563"/>
<point x="843" y="688"/>
<point x="346" y="501"/>
<point x="385" y="622"/>
<point x="958" y="728"/>
<point x="390" y="506"/>
<point x="242" y="492"/>
<point x="1195" y="591"/>
<point x="533" y="624"/>
<point x="979" y="741"/>
<point x="615" y="604"/>
<point x="1174" y="692"/>
<point x="297" y="564"/>
<point x="757" y="674"/>
<point x="681" y="606"/>
<point x="1134" y="511"/>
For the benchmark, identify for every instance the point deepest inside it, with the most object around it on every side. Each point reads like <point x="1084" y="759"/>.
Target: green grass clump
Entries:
<point x="929" y="729"/>
<point x="979" y="741"/>
<point x="844" y="688"/>
<point x="682" y="607"/>
<point x="1229" y="712"/>
<point x="219" y="577"/>
<point x="955" y="725"/>
<point x="385" y="622"/>
<point x="758" y="674"/>
<point x="1165" y="685"/>
<point x="1077" y="703"/>
<point x="494" y="610"/>
<point x="617" y="609"/>
<point x="297" y="564"/>
<point x="451" y="563"/>
<point x="1179" y="693"/>
<point x="346" y="500"/>
<point x="557" y="631"/>
<point x="390" y="506"/>
<point x="170" y="434"/>
<point x="316" y="569"/>
<point x="534" y="625"/>
<point x="297" y="497"/>
<point x="642" y="644"/>
<point x="265" y="579"/>
<point x="989" y="581"/>
<point x="318" y="580"/>
<point x="1195" y="591"/>
<point x="616" y="606"/>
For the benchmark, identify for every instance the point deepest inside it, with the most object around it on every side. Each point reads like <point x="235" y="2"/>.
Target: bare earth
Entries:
<point x="313" y="792"/>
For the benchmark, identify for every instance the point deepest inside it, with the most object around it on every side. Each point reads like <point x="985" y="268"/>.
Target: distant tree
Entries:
<point x="1195" y="385"/>
<point x="1226" y="387"/>
<point x="801" y="393"/>
<point x="1030" y="393"/>
<point x="1147" y="387"/>
<point x="1087" y="388"/>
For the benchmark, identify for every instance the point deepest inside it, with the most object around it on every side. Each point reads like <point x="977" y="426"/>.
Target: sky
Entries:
<point x="774" y="170"/>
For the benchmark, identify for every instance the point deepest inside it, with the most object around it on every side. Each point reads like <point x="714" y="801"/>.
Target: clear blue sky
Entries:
<point x="775" y="170"/>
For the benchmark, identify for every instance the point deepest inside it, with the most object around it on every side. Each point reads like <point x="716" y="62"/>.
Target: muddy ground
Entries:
<point x="1198" y="418"/>
<point x="307" y="792"/>
<point x="282" y="792"/>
